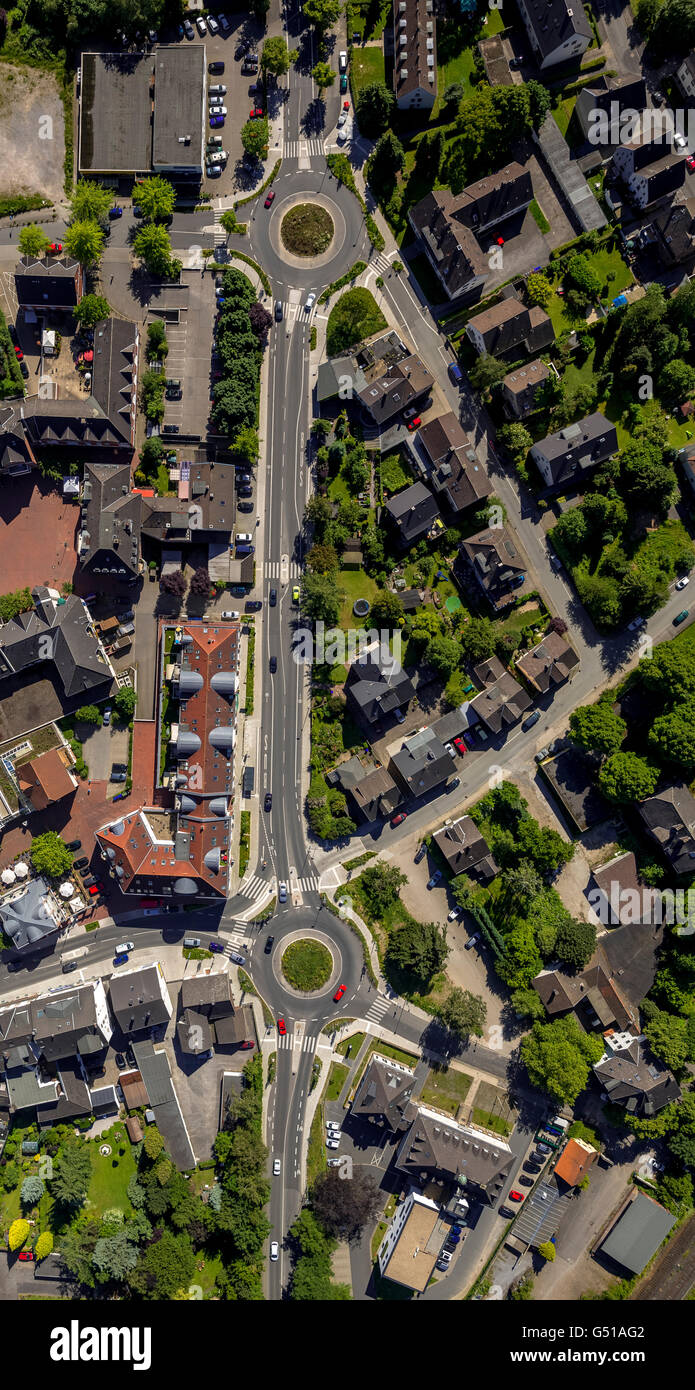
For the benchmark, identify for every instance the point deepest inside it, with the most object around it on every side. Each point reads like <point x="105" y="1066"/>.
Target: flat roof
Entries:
<point x="638" y="1233"/>
<point x="177" y="135"/>
<point x="412" y="1262"/>
<point x="115" y="113"/>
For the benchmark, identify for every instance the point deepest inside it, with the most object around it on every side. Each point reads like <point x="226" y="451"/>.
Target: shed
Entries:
<point x="134" y="1129"/>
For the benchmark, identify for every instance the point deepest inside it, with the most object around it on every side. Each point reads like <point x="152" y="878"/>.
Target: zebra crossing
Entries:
<point x="219" y="236"/>
<point x="308" y="885"/>
<point x="253" y="887"/>
<point x="290" y="1040"/>
<point x="271" y="570"/>
<point x="376" y="1011"/>
<point x="381" y="262"/>
<point x="296" y="149"/>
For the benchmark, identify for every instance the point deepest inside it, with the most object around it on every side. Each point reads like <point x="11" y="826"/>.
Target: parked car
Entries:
<point x="26" y="1254"/>
<point x="88" y="880"/>
<point x="213" y="26"/>
<point x="526" y="1182"/>
<point x="422" y="851"/>
<point x="201" y="26"/>
<point x="115" y="212"/>
<point x="216" y="121"/>
<point x="472" y="940"/>
<point x="398" y="820"/>
<point x="460" y="746"/>
<point x="542" y="754"/>
<point x="120" y="959"/>
<point x="188" y="29"/>
<point x="216" y="108"/>
<point x="74" y="845"/>
<point x="454" y="914"/>
<point x="414" y="424"/>
<point x="516" y="1196"/>
<point x="216" y="66"/>
<point x="455" y="373"/>
<point x="342" y="61"/>
<point x="544" y="1149"/>
<point x="230" y="614"/>
<point x="82" y="862"/>
<point x="532" y="719"/>
<point x="118" y="777"/>
<point x="331" y="1142"/>
<point x="434" y="879"/>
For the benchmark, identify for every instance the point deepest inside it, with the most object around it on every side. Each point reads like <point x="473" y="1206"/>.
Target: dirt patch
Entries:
<point x="32" y="136"/>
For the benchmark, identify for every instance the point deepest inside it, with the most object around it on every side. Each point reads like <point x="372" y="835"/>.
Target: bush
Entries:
<point x="354" y="317"/>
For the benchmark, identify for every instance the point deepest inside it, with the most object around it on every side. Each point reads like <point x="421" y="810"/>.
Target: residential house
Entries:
<point x="520" y="388"/>
<point x="493" y="558"/>
<point x="400" y="386"/>
<point x="58" y="630"/>
<point x="384" y="1094"/>
<point x="413" y="514"/>
<point x="570" y="453"/>
<point x="636" y="1236"/>
<point x="558" y="30"/>
<point x="155" y="1072"/>
<point x="604" y="103"/>
<point x="415" y="54"/>
<point x="674" y="226"/>
<point x="457" y="476"/>
<point x="47" y="778"/>
<point x="466" y="850"/>
<point x="421" y="763"/>
<point x="619" y="897"/>
<point x="371" y="790"/>
<point x="50" y="285"/>
<point x="548" y="664"/>
<point x="377" y="687"/>
<point x="648" y="167"/>
<point x="611" y="987"/>
<point x="575" y="1161"/>
<point x="631" y="1076"/>
<point x="453" y="228"/>
<point x="438" y="1147"/>
<point x="208" y="1016"/>
<point x="669" y="818"/>
<point x="50" y="1048"/>
<point x="508" y="326"/>
<point x="140" y="999"/>
<point x="410" y="1249"/>
<point x="502" y="702"/>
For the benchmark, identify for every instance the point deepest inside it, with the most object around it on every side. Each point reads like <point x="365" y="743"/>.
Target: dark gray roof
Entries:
<point x="385" y="1091"/>
<point x="63" y="624"/>
<point x="670" y="819"/>
<point x="51" y="281"/>
<point x="179" y="76"/>
<point x="412" y="513"/>
<point x="376" y="687"/>
<point x="502" y="702"/>
<point x="632" y="1076"/>
<point x="208" y="994"/>
<point x="494" y="558"/>
<point x="111" y="520"/>
<point x="136" y="999"/>
<point x="156" y="1075"/>
<point x="422" y="762"/>
<point x="193" y="1033"/>
<point x="65" y="1023"/>
<point x="578" y="447"/>
<point x="636" y="1237"/>
<point x="465" y="849"/>
<point x="437" y="1145"/>
<point x="553" y="22"/>
<point x="116" y="113"/>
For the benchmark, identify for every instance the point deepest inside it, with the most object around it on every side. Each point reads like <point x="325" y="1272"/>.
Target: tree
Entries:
<point x="597" y="728"/>
<point x="114" y="1257"/>
<point x="374" y="109"/>
<point x="385" y="162"/>
<point x="88" y="714"/>
<point x="322" y="559"/>
<point x="667" y="1036"/>
<point x="521" y="961"/>
<point x="18" y="1233"/>
<point x="255" y="135"/>
<point x="547" y="1251"/>
<point x="174" y="584"/>
<point x="487" y="373"/>
<point x="157" y="345"/>
<point x="521" y="883"/>
<point x="516" y="440"/>
<point x="429" y="153"/>
<point x="321" y="598"/>
<point x="44" y="1245"/>
<point x="580" y="273"/>
<point x="453" y="96"/>
<point x="557" y="1057"/>
<point x="260" y="321"/>
<point x="539" y="289"/>
<point x="318" y="510"/>
<point x="71" y="1175"/>
<point x="151" y="243"/>
<point x="244" y="446"/>
<point x="527" y="1003"/>
<point x="153" y="1143"/>
<point x="84" y="241"/>
<point x="156" y="198"/>
<point x="50" y="856"/>
<point x="418" y="949"/>
<point x="32" y="240"/>
<point x="275" y="56"/>
<point x="323" y="75"/>
<point x="90" y="202"/>
<point x="676" y="381"/>
<point x="163" y="1267"/>
<point x="674" y="30"/>
<point x="672" y="735"/>
<point x="575" y="942"/>
<point x="91" y="310"/>
<point x="443" y="655"/>
<point x="32" y="1190"/>
<point x="345" y="1208"/>
<point x="380" y="885"/>
<point x="200" y="581"/>
<point x="125" y="701"/>
<point x="321" y="13"/>
<point x="626" y="777"/>
<point x="387" y="610"/>
<point x="464" y="1013"/>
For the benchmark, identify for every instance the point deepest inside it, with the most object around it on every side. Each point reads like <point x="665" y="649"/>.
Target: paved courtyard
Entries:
<point x="37" y="534"/>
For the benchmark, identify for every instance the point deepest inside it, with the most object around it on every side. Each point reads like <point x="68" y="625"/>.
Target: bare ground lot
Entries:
<point x="32" y="140"/>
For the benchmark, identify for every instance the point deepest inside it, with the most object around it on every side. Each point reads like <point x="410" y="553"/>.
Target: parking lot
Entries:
<point x="238" y="99"/>
<point x="190" y="342"/>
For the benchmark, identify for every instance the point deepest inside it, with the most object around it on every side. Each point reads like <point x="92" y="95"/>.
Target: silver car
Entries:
<point x="217" y="110"/>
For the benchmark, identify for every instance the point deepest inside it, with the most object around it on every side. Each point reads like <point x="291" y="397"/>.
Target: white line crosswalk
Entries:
<point x="271" y="570"/>
<point x="381" y="262"/>
<point x="253" y="887"/>
<point x="308" y="885"/>
<point x="297" y="149"/>
<point x="291" y="1040"/>
<point x="376" y="1011"/>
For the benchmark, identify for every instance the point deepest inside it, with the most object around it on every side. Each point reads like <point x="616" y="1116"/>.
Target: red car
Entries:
<point x="346" y="106"/>
<point x="26" y="1254"/>
<point x="19" y="354"/>
<point x="94" y="890"/>
<point x="255" y="112"/>
<point x="282" y="1028"/>
<point x="55" y="246"/>
<point x="516" y="1196"/>
<point x="339" y="993"/>
<point x="269" y="199"/>
<point x="690" y="163"/>
<point x="414" y="424"/>
<point x="246" y="1045"/>
<point x="460" y="745"/>
<point x="398" y="820"/>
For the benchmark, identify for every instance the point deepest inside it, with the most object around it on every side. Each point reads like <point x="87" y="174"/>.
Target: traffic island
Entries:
<point x="307" y="965"/>
<point x="307" y="229"/>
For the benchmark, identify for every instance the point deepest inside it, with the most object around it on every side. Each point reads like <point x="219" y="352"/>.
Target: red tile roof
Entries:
<point x="45" y="779"/>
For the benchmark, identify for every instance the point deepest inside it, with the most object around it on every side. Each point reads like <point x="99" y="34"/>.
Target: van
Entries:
<point x="191" y="942"/>
<point x="243" y="538"/>
<point x="245" y="550"/>
<point x="126" y="629"/>
<point x="455" y="373"/>
<point x="558" y="1120"/>
<point x="124" y="946"/>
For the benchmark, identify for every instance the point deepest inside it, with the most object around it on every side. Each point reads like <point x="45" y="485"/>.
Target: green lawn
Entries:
<point x="563" y="113"/>
<point x="518" y="620"/>
<point x="489" y="1121"/>
<point x="458" y="69"/>
<point x="354" y="1042"/>
<point x="111" y="1175"/>
<point x="354" y="584"/>
<point x="316" y="1154"/>
<point x="359" y="11"/>
<point x="396" y="472"/>
<point x="367" y="66"/>
<point x="337" y="1077"/>
<point x="447" y="1090"/>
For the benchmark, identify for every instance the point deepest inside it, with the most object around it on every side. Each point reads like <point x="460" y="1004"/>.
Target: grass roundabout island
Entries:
<point x="307" y="230"/>
<point x="306" y="965"/>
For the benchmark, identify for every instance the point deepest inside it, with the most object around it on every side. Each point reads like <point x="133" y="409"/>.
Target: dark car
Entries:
<point x="170" y="429"/>
<point x="242" y="48"/>
<point x="74" y="845"/>
<point x="530" y="1167"/>
<point x="13" y="333"/>
<point x="122" y="959"/>
<point x="278" y="311"/>
<point x="120" y="1059"/>
<point x="273" y="597"/>
<point x="268" y="801"/>
<point x="526" y="1182"/>
<point x="89" y="881"/>
<point x="421" y="854"/>
<point x="82" y="862"/>
<point x="269" y="943"/>
<point x="118" y="777"/>
<point x="68" y="965"/>
<point x="244" y="506"/>
<point x="115" y="212"/>
<point x="273" y="664"/>
<point x="216" y="947"/>
<point x="245" y="491"/>
<point x="532" y="719"/>
<point x="216" y="67"/>
<point x="680" y="618"/>
<point x="242" y="478"/>
<point x="24" y="370"/>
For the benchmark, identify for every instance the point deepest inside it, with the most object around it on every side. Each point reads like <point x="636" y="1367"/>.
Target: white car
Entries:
<point x="276" y="1167"/>
<point x="213" y="26"/>
<point x="218" y="89"/>
<point x="332" y="1143"/>
<point x="450" y="750"/>
<point x="310" y="301"/>
<point x="201" y="26"/>
<point x="217" y="110"/>
<point x="274" y="1250"/>
<point x="219" y="157"/>
<point x="680" y="141"/>
<point x="215" y="100"/>
<point x="230" y="614"/>
<point x="333" y="1162"/>
<point x="343" y="135"/>
<point x="455" y="912"/>
<point x="342" y="61"/>
<point x="331" y="1124"/>
<point x="342" y="118"/>
<point x="683" y="582"/>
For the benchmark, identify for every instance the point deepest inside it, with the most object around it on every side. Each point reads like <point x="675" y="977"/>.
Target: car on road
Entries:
<point x="274" y="1250"/>
<point x="398" y="820"/>
<point x="267" y="801"/>
<point x="238" y="959"/>
<point x="339" y="993"/>
<point x="68" y="965"/>
<point x="532" y="719"/>
<point x="282" y="1027"/>
<point x="680" y="618"/>
<point x="516" y="1196"/>
<point x="682" y="583"/>
<point x="270" y="198"/>
<point x="636" y="622"/>
<point x="216" y="947"/>
<point x="472" y="940"/>
<point x="273" y="665"/>
<point x="278" y="311"/>
<point x="74" y="845"/>
<point x="120" y="959"/>
<point x="282" y="892"/>
<point x="454" y="914"/>
<point x="273" y="597"/>
<point x="276" y="1167"/>
<point x="460" y="746"/>
<point x="434" y="880"/>
<point x="295" y="593"/>
<point x="26" y="1254"/>
<point x="332" y="1143"/>
<point x="269" y="943"/>
<point x="310" y="301"/>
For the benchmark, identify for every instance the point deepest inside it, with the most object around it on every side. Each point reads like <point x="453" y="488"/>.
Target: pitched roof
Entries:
<point x="631" y="1076"/>
<point x="412" y="512"/>
<point x="669" y="817"/>
<point x="137" y="999"/>
<point x="109" y="539"/>
<point x="52" y="281"/>
<point x="465" y="848"/>
<point x="503" y="701"/>
<point x="378" y="686"/>
<point x="578" y="446"/>
<point x="45" y="778"/>
<point x="637" y="1235"/>
<point x="62" y="627"/>
<point x="553" y="22"/>
<point x="549" y="663"/>
<point x="621" y="890"/>
<point x="29" y="917"/>
<point x="422" y="762"/>
<point x="456" y="470"/>
<point x="400" y="384"/>
<point x="525" y="379"/>
<point x="385" y="1090"/>
<point x="437" y="1144"/>
<point x="615" y="981"/>
<point x="575" y="1161"/>
<point x="494" y="557"/>
<point x="509" y="322"/>
<point x="415" y="44"/>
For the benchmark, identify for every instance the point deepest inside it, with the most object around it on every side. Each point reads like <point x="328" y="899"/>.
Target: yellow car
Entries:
<point x="295" y="593"/>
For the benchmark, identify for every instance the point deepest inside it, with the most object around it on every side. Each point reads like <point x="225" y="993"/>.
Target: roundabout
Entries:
<point x="306" y="965"/>
<point x="348" y="244"/>
<point x="309" y="926"/>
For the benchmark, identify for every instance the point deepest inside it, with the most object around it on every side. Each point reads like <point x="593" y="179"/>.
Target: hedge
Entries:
<point x="250" y="196"/>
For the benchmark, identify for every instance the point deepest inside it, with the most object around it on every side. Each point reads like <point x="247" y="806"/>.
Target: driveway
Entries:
<point x="102" y="747"/>
<point x="574" y="1271"/>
